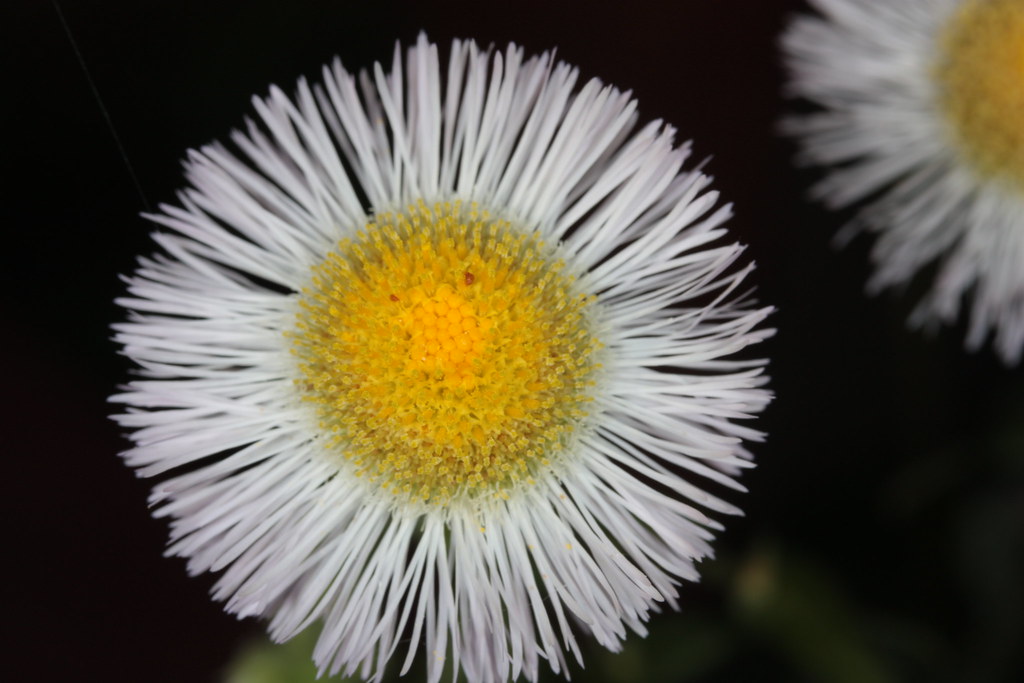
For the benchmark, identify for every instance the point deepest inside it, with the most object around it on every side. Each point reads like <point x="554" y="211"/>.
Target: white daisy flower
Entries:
<point x="426" y="359"/>
<point x="923" y="115"/>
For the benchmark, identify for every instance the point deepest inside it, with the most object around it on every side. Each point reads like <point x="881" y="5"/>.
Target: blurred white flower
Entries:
<point x="922" y="116"/>
<point x="425" y="359"/>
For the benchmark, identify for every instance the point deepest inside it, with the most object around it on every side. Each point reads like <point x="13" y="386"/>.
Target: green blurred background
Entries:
<point x="884" y="530"/>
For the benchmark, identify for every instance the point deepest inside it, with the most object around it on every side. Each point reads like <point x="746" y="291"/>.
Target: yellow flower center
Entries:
<point x="981" y="77"/>
<point x="448" y="354"/>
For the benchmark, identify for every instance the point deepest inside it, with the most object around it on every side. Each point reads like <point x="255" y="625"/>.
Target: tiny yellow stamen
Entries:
<point x="981" y="78"/>
<point x="448" y="353"/>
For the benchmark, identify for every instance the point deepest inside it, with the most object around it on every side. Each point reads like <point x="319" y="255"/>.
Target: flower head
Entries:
<point x="426" y="360"/>
<point x="923" y="115"/>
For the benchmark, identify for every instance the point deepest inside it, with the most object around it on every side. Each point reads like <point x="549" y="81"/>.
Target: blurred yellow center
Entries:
<point x="448" y="354"/>
<point x="981" y="76"/>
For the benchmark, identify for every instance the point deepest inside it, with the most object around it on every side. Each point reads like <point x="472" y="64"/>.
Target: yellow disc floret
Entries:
<point x="981" y="79"/>
<point x="448" y="354"/>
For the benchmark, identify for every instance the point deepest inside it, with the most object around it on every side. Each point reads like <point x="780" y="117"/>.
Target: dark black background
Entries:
<point x="892" y="483"/>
